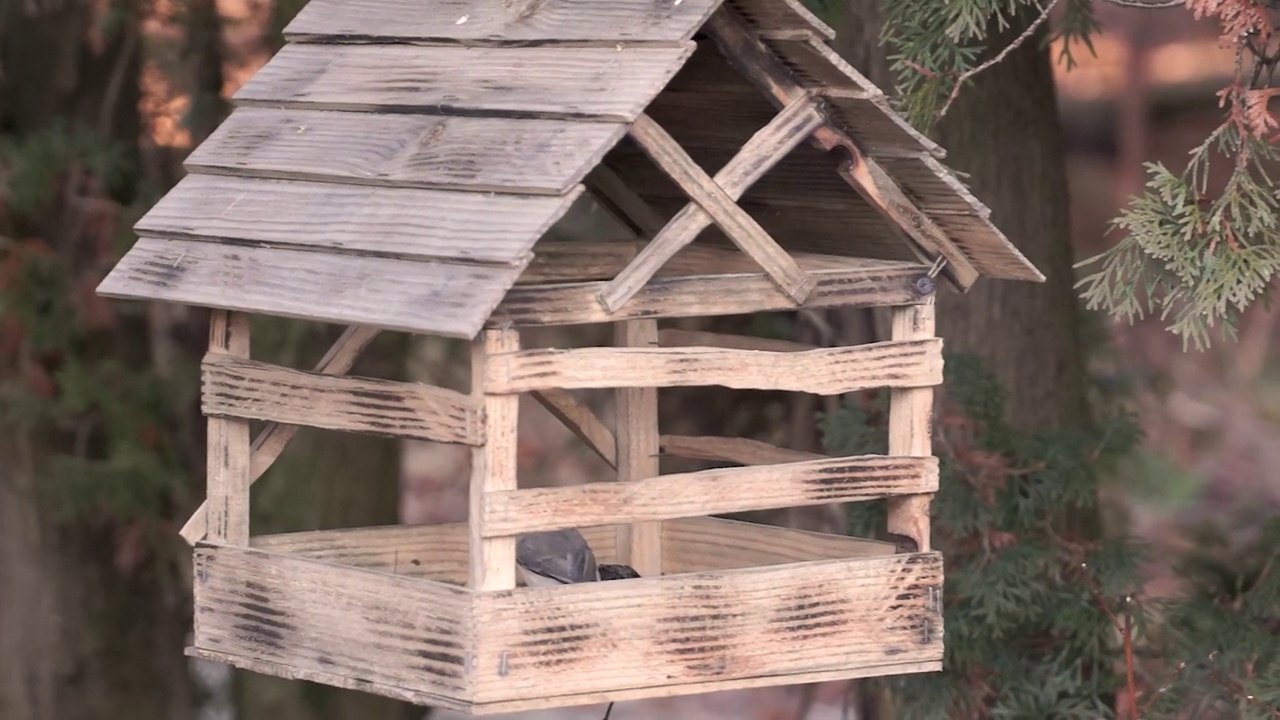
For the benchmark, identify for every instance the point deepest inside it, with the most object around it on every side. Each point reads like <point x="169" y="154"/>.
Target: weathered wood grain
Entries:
<point x="526" y="155"/>
<point x="493" y="465"/>
<point x="636" y="431"/>
<point x="581" y="421"/>
<point x="612" y="83"/>
<point x="757" y="156"/>
<point x="715" y="544"/>
<point x="824" y="371"/>
<point x="813" y="617"/>
<point x="394" y="222"/>
<point x="742" y="451"/>
<point x="323" y="617"/>
<point x="740" y="227"/>
<point x="237" y="388"/>
<point x="673" y="337"/>
<point x="988" y="247"/>
<point x="227" y="452"/>
<point x="615" y="195"/>
<point x="874" y="283"/>
<point x="413" y="296"/>
<point x="587" y="260"/>
<point x="272" y="439"/>
<point x="708" y="492"/>
<point x="781" y="15"/>
<point x="911" y="427"/>
<point x="606" y="22"/>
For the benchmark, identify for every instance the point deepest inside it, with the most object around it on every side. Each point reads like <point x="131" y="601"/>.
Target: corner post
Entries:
<point x="640" y="544"/>
<point x="911" y="427"/>
<point x="227" y="451"/>
<point x="493" y="465"/>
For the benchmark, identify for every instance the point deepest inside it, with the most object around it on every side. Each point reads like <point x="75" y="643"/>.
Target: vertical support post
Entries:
<point x="911" y="427"/>
<point x="636" y="431"/>
<point x="227" y="453"/>
<point x="493" y="465"/>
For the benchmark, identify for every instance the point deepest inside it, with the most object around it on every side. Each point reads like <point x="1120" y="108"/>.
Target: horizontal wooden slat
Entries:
<point x="352" y="219"/>
<point x="585" y="260"/>
<point x="425" y="297"/>
<point x="742" y="451"/>
<point x="874" y="284"/>
<point x="709" y="492"/>
<point x="708" y="544"/>
<point x="421" y="151"/>
<point x="673" y="337"/>
<point x="824" y="371"/>
<point x="239" y="388"/>
<point x="519" y="21"/>
<point x="323" y="617"/>
<point x="812" y="617"/>
<point x="547" y="81"/>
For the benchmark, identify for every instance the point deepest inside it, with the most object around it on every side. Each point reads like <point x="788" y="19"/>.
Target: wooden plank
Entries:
<point x="238" y="388"/>
<point x="527" y="155"/>
<point x="759" y="64"/>
<point x="522" y="21"/>
<point x="227" y="451"/>
<point x="708" y="492"/>
<point x="272" y="439"/>
<point x="825" y="371"/>
<point x="352" y="219"/>
<point x="811" y="617"/>
<point x="742" y="451"/>
<point x="740" y="227"/>
<point x="672" y="337"/>
<point x="323" y="617"/>
<point x="493" y="465"/>
<point x="613" y="83"/>
<point x="637" y="443"/>
<point x="761" y="152"/>
<point x="413" y="296"/>
<point x="587" y="260"/>
<point x="872" y="285"/>
<point x="990" y="249"/>
<point x="581" y="421"/>
<point x="715" y="544"/>
<point x="911" y="428"/>
<point x="781" y="15"/>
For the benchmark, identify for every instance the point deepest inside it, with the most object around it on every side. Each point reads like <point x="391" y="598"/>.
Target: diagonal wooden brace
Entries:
<point x="763" y="151"/>
<point x="722" y="209"/>
<point x="762" y="67"/>
<point x="273" y="439"/>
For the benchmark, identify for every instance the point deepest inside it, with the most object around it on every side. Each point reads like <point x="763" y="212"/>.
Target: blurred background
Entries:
<point x="101" y="442"/>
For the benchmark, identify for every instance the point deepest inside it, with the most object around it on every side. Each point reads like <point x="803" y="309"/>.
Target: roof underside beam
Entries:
<point x="751" y="57"/>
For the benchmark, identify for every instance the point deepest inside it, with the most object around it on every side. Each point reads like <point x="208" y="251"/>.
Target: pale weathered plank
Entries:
<point x="812" y="617"/>
<point x="720" y="206"/>
<point x="352" y="219"/>
<point x="758" y="155"/>
<point x="515" y="21"/>
<point x="673" y="337"/>
<point x="824" y="371"/>
<point x="874" y="283"/>
<point x="708" y="492"/>
<point x="237" y="388"/>
<point x="911" y="428"/>
<point x="742" y="451"/>
<point x="493" y="465"/>
<point x="323" y="617"/>
<point x="227" y="451"/>
<point x="581" y="421"/>
<point x="272" y="439"/>
<point x="526" y="155"/>
<point x="710" y="544"/>
<point x="548" y="81"/>
<point x="636" y="431"/>
<point x="414" y="296"/>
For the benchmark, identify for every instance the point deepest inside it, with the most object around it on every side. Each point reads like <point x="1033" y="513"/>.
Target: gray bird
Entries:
<point x="563" y="557"/>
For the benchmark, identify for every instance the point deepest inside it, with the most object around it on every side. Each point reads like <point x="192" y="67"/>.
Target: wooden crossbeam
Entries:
<point x="723" y="210"/>
<point x="763" y="151"/>
<point x="742" y="451"/>
<point x="581" y="421"/>
<point x="763" y="68"/>
<point x="273" y="439"/>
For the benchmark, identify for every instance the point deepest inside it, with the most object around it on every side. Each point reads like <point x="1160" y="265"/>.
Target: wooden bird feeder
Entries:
<point x="394" y="168"/>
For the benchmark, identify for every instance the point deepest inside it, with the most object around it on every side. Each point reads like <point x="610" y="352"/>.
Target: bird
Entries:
<point x="563" y="557"/>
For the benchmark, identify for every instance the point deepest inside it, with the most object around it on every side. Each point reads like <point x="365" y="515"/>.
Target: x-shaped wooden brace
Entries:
<point x="715" y="200"/>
